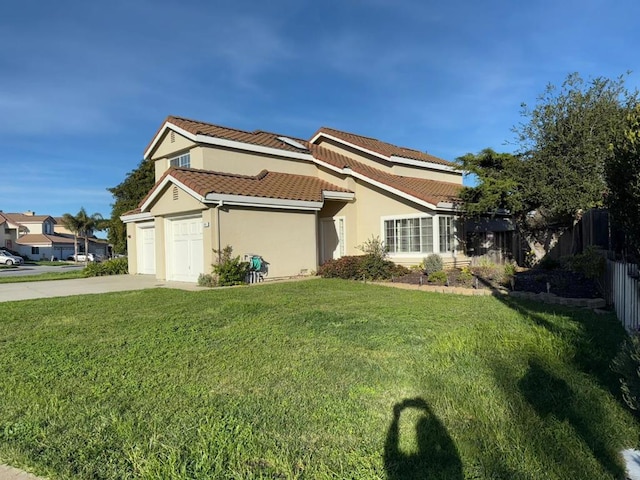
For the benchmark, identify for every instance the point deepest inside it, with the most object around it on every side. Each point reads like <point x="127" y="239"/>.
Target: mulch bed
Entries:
<point x="562" y="283"/>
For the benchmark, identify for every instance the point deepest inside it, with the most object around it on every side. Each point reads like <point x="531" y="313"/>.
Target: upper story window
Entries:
<point x="48" y="228"/>
<point x="183" y="160"/>
<point x="409" y="235"/>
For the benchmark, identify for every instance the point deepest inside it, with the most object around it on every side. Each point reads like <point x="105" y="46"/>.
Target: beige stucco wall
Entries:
<point x="286" y="239"/>
<point x="364" y="218"/>
<point x="132" y="248"/>
<point x="167" y="148"/>
<point x="441" y="176"/>
<point x="247" y="163"/>
<point x="358" y="155"/>
<point x="404" y="170"/>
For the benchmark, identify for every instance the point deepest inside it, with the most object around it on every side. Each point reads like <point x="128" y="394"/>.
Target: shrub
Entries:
<point x="548" y="263"/>
<point x="230" y="270"/>
<point x="374" y="247"/>
<point x="432" y="263"/>
<point x="354" y="267"/>
<point x="347" y="267"/>
<point x="115" y="266"/>
<point x="590" y="264"/>
<point x="439" y="277"/>
<point x="627" y="365"/>
<point x="207" y="280"/>
<point x="509" y="274"/>
<point x="465" y="277"/>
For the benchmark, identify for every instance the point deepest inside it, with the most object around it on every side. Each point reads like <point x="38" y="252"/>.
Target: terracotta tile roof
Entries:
<point x="257" y="137"/>
<point x="22" y="218"/>
<point x="39" y="238"/>
<point x="266" y="184"/>
<point x="135" y="211"/>
<point x="383" y="148"/>
<point x="431" y="191"/>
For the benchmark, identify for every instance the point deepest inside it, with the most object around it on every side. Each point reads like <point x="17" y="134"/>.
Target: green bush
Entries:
<point x="357" y="267"/>
<point x="375" y="247"/>
<point x="465" y="277"/>
<point x="627" y="365"/>
<point x="589" y="263"/>
<point x="439" y="277"/>
<point x="115" y="266"/>
<point x="230" y="270"/>
<point x="548" y="263"/>
<point x="207" y="280"/>
<point x="432" y="263"/>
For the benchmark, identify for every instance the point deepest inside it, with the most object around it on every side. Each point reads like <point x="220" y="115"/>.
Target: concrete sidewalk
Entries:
<point x="10" y="473"/>
<point x="81" y="286"/>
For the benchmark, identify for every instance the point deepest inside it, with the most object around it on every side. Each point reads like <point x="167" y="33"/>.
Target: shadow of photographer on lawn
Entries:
<point x="437" y="456"/>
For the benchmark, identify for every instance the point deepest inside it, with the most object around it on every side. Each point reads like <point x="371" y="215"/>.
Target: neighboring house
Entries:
<point x="39" y="237"/>
<point x="295" y="203"/>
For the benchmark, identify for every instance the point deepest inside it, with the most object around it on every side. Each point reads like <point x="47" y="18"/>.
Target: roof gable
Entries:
<point x="208" y="133"/>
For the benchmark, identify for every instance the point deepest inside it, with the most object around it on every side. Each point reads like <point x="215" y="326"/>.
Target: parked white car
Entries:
<point x="7" y="258"/>
<point x="81" y="257"/>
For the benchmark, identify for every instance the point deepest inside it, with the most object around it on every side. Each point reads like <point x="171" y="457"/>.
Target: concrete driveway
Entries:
<point x="82" y="286"/>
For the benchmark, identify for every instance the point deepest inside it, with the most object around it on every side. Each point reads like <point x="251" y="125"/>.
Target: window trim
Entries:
<point x="436" y="235"/>
<point x="409" y="216"/>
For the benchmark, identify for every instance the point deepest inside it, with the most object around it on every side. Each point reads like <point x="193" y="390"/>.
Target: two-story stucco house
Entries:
<point x="42" y="237"/>
<point x="296" y="203"/>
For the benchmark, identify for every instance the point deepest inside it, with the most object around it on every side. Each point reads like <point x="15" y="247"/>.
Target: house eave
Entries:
<point x="262" y="202"/>
<point x="136" y="217"/>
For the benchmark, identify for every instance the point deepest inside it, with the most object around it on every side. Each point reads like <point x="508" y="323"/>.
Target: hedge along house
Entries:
<point x="293" y="202"/>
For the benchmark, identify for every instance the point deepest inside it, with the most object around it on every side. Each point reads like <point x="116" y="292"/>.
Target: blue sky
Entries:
<point x="85" y="85"/>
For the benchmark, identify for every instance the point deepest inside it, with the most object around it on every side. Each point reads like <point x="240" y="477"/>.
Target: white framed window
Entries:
<point x="408" y="234"/>
<point x="447" y="232"/>
<point x="35" y="250"/>
<point x="183" y="160"/>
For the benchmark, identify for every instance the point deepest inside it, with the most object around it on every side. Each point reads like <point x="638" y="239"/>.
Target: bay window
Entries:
<point x="409" y="235"/>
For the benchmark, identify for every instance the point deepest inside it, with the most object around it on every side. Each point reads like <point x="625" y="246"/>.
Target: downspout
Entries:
<point x="220" y="204"/>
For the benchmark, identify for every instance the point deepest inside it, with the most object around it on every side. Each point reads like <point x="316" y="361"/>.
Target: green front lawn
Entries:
<point x="41" y="277"/>
<point x="317" y="379"/>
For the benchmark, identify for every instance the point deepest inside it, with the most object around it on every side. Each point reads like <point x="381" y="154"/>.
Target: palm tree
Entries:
<point x="82" y="225"/>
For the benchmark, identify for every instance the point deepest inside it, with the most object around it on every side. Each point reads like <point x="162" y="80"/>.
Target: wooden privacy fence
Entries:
<point x="622" y="287"/>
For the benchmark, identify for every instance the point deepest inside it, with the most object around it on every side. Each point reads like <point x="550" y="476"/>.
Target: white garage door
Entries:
<point x="184" y="249"/>
<point x="146" y="239"/>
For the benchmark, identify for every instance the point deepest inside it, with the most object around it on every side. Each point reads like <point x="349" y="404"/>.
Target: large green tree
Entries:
<point x="128" y="195"/>
<point x="557" y="172"/>
<point x="622" y="173"/>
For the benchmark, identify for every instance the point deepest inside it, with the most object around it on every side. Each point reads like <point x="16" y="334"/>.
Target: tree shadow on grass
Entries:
<point x="551" y="396"/>
<point x="596" y="342"/>
<point x="437" y="456"/>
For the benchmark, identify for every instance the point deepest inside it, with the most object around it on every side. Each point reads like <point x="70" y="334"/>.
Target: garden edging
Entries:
<point x="549" y="298"/>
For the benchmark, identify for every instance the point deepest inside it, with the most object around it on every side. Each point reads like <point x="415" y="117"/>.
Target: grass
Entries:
<point x="41" y="277"/>
<point x="321" y="379"/>
<point x="49" y="263"/>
